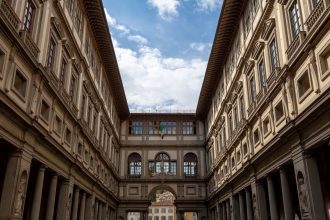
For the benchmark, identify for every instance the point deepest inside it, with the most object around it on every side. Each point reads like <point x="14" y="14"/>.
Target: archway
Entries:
<point x="162" y="205"/>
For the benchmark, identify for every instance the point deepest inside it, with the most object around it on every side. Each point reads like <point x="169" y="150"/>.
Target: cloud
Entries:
<point x="167" y="9"/>
<point x="113" y="24"/>
<point x="138" y="39"/>
<point x="154" y="82"/>
<point x="200" y="47"/>
<point x="208" y="5"/>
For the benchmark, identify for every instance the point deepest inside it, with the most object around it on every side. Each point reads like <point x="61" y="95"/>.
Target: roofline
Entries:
<point x="100" y="28"/>
<point x="226" y="29"/>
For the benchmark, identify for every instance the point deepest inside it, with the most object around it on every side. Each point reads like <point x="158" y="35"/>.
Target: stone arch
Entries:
<point x="162" y="187"/>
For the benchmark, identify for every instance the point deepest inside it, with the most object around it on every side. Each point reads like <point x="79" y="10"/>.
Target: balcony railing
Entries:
<point x="7" y="12"/>
<point x="251" y="108"/>
<point x="315" y="15"/>
<point x="295" y="44"/>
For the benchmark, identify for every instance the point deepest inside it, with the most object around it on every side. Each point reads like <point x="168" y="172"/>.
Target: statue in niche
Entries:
<point x="302" y="191"/>
<point x="20" y="194"/>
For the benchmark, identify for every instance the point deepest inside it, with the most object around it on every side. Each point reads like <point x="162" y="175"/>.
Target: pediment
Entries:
<point x="268" y="28"/>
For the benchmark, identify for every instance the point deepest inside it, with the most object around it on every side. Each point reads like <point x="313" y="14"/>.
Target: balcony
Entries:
<point x="315" y="14"/>
<point x="7" y="12"/>
<point x="30" y="44"/>
<point x="295" y="44"/>
<point x="259" y="95"/>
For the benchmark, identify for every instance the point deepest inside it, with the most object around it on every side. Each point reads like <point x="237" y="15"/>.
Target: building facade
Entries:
<point x="256" y="148"/>
<point x="265" y="98"/>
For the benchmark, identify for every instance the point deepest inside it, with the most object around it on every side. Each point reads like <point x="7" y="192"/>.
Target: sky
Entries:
<point x="162" y="49"/>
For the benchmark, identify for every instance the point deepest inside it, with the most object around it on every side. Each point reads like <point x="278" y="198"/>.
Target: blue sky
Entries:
<point x="162" y="49"/>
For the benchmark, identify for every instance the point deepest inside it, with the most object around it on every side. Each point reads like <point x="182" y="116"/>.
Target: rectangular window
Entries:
<point x="68" y="135"/>
<point x="45" y="110"/>
<point x="167" y="127"/>
<point x="63" y="71"/>
<point x="235" y="116"/>
<point x="241" y="105"/>
<point x="152" y="127"/>
<point x="72" y="88"/>
<point x="304" y="85"/>
<point x="315" y="3"/>
<point x="273" y="54"/>
<point x="135" y="128"/>
<point x="252" y="86"/>
<point x="188" y="128"/>
<point x="28" y="16"/>
<point x="83" y="103"/>
<point x="256" y="137"/>
<point x="262" y="73"/>
<point x="266" y="126"/>
<point x="151" y="167"/>
<point x="57" y="125"/>
<point x="20" y="83"/>
<point x="279" y="111"/>
<point x="51" y="53"/>
<point x="294" y="19"/>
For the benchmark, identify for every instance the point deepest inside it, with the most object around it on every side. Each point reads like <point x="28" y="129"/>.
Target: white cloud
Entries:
<point x="113" y="23"/>
<point x="167" y="9"/>
<point x="152" y="81"/>
<point x="208" y="5"/>
<point x="200" y="47"/>
<point x="138" y="39"/>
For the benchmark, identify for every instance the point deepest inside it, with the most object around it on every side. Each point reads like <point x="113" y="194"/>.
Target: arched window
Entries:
<point x="190" y="164"/>
<point x="162" y="161"/>
<point x="134" y="164"/>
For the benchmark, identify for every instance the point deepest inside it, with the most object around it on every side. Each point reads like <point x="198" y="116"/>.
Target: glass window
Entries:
<point x="241" y="105"/>
<point x="188" y="127"/>
<point x="252" y="86"/>
<point x="294" y="19"/>
<point x="135" y="164"/>
<point x="51" y="53"/>
<point x="135" y="127"/>
<point x="64" y="65"/>
<point x="162" y="163"/>
<point x="190" y="164"/>
<point x="273" y="54"/>
<point x="28" y="16"/>
<point x="167" y="127"/>
<point x="262" y="72"/>
<point x="173" y="167"/>
<point x="73" y="86"/>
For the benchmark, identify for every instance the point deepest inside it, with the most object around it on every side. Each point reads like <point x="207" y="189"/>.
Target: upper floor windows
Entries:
<point x="134" y="165"/>
<point x="190" y="164"/>
<point x="294" y="19"/>
<point x="73" y="86"/>
<point x="252" y="88"/>
<point x="162" y="163"/>
<point x="63" y="70"/>
<point x="273" y="54"/>
<point x="167" y="127"/>
<point x="262" y="72"/>
<point x="29" y="15"/>
<point x="135" y="127"/>
<point x="188" y="127"/>
<point x="51" y="53"/>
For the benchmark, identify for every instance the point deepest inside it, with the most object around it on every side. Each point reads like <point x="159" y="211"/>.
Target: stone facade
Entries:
<point x="268" y="117"/>
<point x="256" y="148"/>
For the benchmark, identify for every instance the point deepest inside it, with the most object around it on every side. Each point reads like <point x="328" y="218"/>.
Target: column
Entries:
<point x="96" y="209"/>
<point x="242" y="211"/>
<point x="286" y="195"/>
<point x="82" y="206"/>
<point x="88" y="208"/>
<point x="223" y="208"/>
<point x="37" y="195"/>
<point x="235" y="209"/>
<point x="261" y="201"/>
<point x="218" y="211"/>
<point x="100" y="211"/>
<point x="74" y="213"/>
<point x="249" y="207"/>
<point x="64" y="200"/>
<point x="51" y="198"/>
<point x="228" y="209"/>
<point x="178" y="215"/>
<point x="272" y="199"/>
